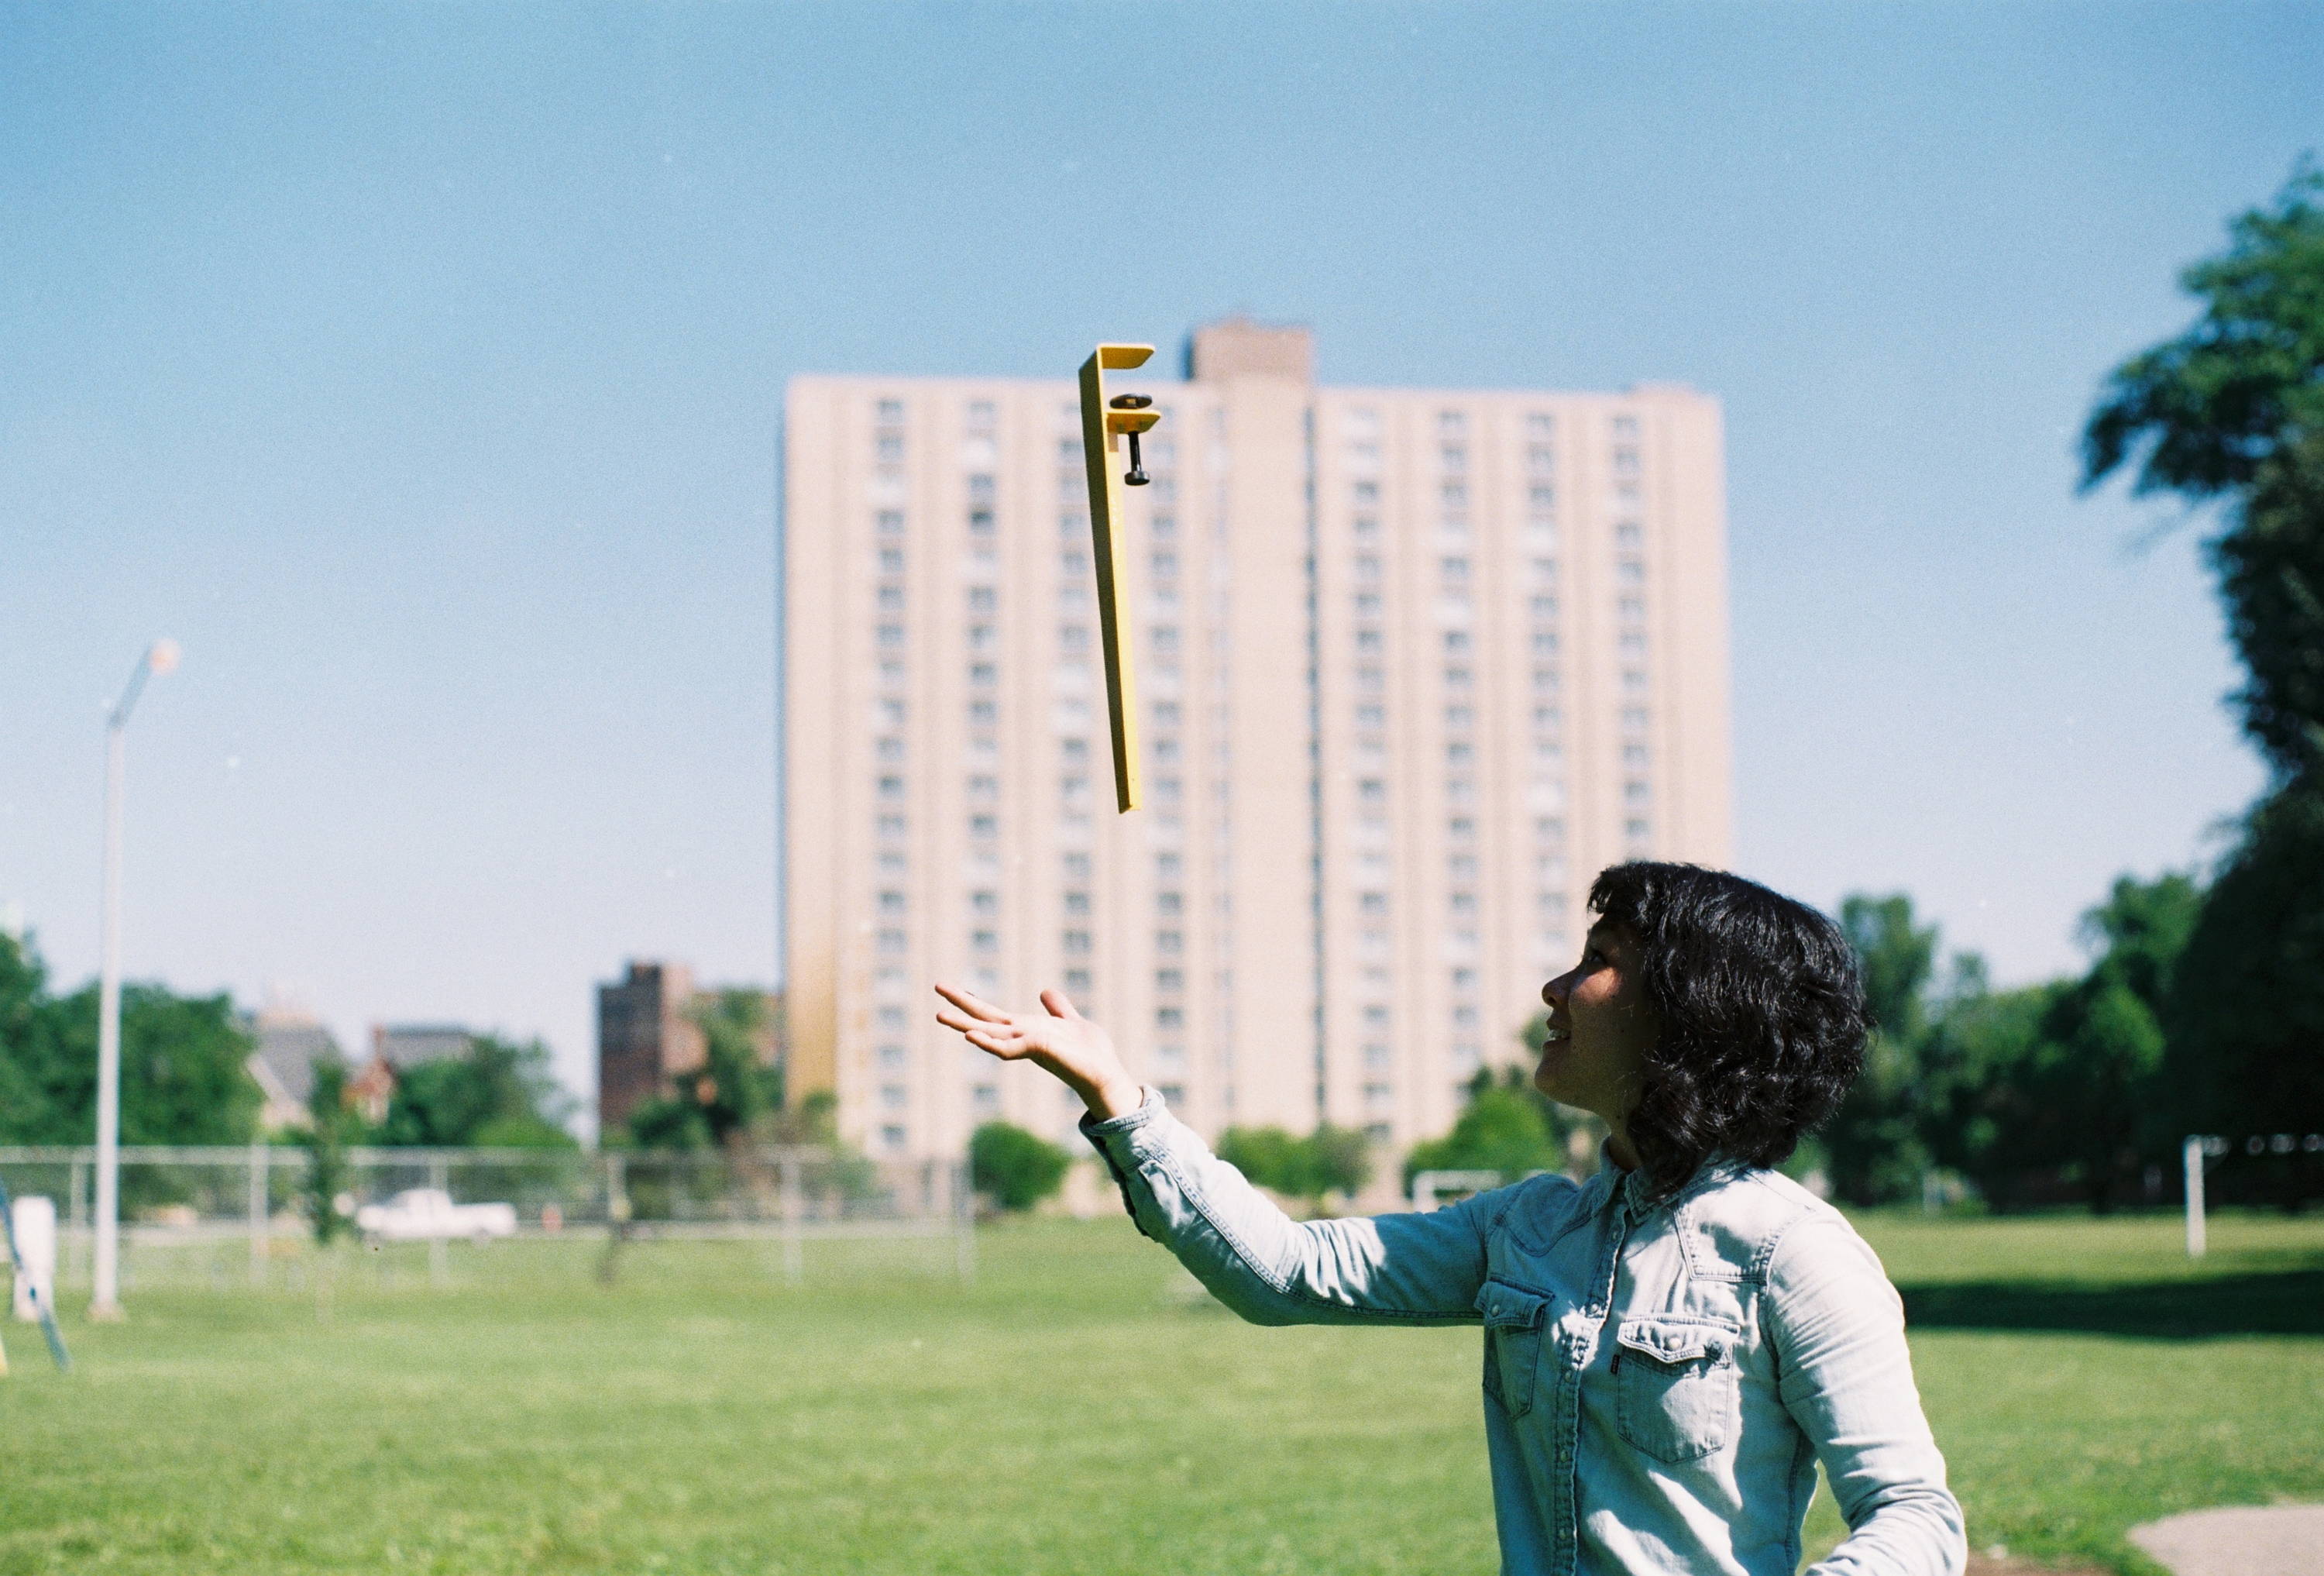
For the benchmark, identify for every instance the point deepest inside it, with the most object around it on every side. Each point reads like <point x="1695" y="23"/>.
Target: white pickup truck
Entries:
<point x="421" y="1214"/>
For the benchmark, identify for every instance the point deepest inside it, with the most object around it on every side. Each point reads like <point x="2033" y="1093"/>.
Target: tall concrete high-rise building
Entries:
<point x="1412" y="666"/>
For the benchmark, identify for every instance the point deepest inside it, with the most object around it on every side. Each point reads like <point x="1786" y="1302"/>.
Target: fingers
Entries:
<point x="974" y="1006"/>
<point x="1058" y="1006"/>
<point x="1007" y="1047"/>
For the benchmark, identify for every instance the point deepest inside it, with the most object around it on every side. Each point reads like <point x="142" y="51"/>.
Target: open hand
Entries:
<point x="1058" y="1039"/>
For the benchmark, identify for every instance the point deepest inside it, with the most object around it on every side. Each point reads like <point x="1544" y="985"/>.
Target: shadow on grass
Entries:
<point x="2284" y="1304"/>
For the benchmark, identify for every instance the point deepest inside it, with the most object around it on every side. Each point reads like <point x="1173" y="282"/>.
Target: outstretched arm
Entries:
<point x="1405" y="1269"/>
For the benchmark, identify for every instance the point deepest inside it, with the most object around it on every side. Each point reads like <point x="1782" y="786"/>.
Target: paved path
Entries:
<point x="2238" y="1540"/>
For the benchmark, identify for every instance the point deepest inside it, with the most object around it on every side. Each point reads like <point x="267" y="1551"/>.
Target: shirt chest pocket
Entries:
<point x="1679" y="1391"/>
<point x="1515" y="1319"/>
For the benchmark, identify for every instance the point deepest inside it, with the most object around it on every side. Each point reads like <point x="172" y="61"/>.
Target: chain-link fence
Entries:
<point x="244" y="1216"/>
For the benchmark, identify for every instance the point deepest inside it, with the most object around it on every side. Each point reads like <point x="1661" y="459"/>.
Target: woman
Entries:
<point x="1670" y="1348"/>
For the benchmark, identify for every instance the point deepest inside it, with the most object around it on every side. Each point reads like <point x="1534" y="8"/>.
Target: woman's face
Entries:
<point x="1601" y="1028"/>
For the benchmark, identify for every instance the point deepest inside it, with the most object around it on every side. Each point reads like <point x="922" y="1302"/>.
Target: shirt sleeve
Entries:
<point x="1271" y="1269"/>
<point x="1846" y="1377"/>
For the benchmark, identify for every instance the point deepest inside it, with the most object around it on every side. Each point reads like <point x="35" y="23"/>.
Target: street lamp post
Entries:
<point x="105" y="1300"/>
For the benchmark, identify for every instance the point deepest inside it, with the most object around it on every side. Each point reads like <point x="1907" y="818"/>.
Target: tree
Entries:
<point x="1507" y="1127"/>
<point x="1327" y="1161"/>
<point x="1873" y="1144"/>
<point x="497" y="1094"/>
<point x="28" y="1111"/>
<point x="183" y="1077"/>
<point x="2246" y="1013"/>
<point x="2232" y="411"/>
<point x="1984" y="1114"/>
<point x="1012" y="1167"/>
<point x="335" y="1125"/>
<point x="2061" y="1085"/>
<point x="733" y="1096"/>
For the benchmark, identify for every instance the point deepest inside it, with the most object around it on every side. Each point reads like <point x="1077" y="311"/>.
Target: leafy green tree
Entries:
<point x="1983" y="1115"/>
<point x="1874" y="1145"/>
<point x="332" y="1127"/>
<point x="1012" y="1167"/>
<point x="732" y="1096"/>
<point x="1339" y="1160"/>
<point x="28" y="1073"/>
<point x="2246" y="1011"/>
<point x="1507" y="1127"/>
<point x="183" y="1074"/>
<point x="1330" y="1160"/>
<point x="2064" y="1083"/>
<point x="497" y="1094"/>
<point x="2232" y="411"/>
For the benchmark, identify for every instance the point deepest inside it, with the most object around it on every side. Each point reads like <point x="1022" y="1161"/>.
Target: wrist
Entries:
<point x="1112" y="1098"/>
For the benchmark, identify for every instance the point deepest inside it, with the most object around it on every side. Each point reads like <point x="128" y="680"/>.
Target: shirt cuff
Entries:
<point x="1149" y="1108"/>
<point x="1102" y="1137"/>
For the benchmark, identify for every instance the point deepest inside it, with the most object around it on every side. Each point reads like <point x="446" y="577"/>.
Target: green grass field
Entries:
<point x="1072" y="1411"/>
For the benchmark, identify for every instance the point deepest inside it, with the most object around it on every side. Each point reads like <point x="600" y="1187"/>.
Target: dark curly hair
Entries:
<point x="1761" y="1004"/>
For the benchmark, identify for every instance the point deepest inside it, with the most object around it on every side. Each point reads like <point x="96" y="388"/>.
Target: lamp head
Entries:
<point x="162" y="657"/>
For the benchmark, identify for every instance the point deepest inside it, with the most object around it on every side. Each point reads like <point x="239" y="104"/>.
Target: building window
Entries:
<point x="891" y="1137"/>
<point x="983" y="827"/>
<point x="1169" y="941"/>
<point x="1073" y="941"/>
<point x="892" y="941"/>
<point x="1625" y="427"/>
<point x="1077" y="983"/>
<point x="892" y="902"/>
<point x="891" y="826"/>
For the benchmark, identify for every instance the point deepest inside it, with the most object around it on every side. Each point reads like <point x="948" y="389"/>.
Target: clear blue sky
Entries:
<point x="417" y="367"/>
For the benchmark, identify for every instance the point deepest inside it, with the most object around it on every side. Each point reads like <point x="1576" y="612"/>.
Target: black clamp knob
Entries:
<point x="1136" y="477"/>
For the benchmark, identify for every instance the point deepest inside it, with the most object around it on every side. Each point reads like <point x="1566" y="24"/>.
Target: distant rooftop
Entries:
<point x="407" y="1044"/>
<point x="1237" y="346"/>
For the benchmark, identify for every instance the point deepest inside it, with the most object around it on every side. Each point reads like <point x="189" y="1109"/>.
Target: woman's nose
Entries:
<point x="1553" y="994"/>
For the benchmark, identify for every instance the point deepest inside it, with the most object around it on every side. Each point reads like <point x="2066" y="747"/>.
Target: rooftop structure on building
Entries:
<point x="286" y="1044"/>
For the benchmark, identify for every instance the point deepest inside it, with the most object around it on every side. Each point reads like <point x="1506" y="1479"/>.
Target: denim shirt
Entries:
<point x="1660" y="1378"/>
